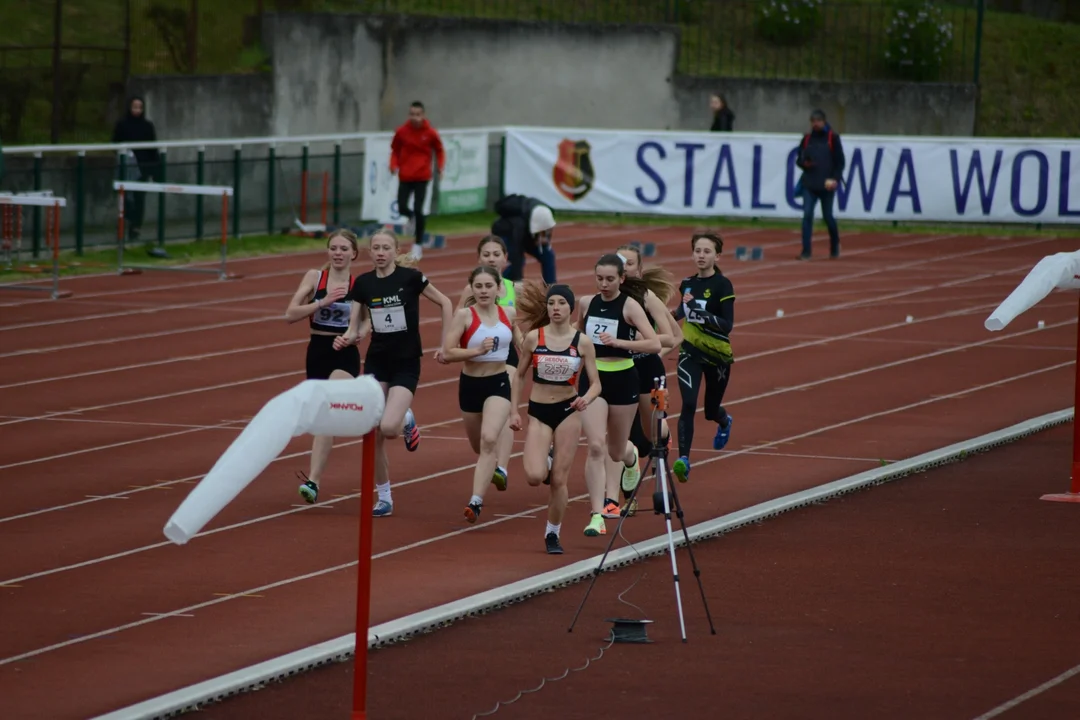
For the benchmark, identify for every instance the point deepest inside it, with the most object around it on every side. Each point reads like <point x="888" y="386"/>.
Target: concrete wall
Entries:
<point x="871" y="108"/>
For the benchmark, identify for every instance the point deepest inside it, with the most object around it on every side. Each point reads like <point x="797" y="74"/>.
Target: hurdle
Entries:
<point x="306" y="228"/>
<point x="225" y="192"/>
<point x="11" y="205"/>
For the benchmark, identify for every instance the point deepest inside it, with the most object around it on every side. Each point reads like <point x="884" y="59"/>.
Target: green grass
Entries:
<point x="183" y="252"/>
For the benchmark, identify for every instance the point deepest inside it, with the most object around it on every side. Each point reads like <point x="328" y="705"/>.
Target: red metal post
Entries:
<point x="303" y="195"/>
<point x="1073" y="496"/>
<point x="363" y="578"/>
<point x="325" y="184"/>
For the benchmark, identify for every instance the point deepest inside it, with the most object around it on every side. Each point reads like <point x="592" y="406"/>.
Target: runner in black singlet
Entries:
<point x="323" y="298"/>
<point x="386" y="303"/>
<point x="615" y="321"/>
<point x="556" y="352"/>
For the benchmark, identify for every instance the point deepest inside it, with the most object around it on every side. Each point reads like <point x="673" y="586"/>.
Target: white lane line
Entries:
<point x="1005" y="707"/>
<point x="531" y="511"/>
<point x="756" y="449"/>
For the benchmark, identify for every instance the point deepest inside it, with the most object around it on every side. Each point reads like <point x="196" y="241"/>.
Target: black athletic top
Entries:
<point x="334" y="318"/>
<point x="605" y="316"/>
<point x="556" y="367"/>
<point x="394" y="305"/>
<point x="708" y="305"/>
<point x="652" y="323"/>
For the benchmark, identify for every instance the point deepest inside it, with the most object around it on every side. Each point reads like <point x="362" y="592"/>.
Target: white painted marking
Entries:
<point x="1034" y="692"/>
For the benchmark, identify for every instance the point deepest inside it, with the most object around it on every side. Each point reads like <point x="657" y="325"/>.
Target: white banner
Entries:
<point x="464" y="184"/>
<point x="381" y="186"/>
<point x="754" y="175"/>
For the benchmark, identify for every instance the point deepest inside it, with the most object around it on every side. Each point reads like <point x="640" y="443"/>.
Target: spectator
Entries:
<point x="410" y="159"/>
<point x="525" y="225"/>
<point x="135" y="128"/>
<point x="723" y="118"/>
<point x="821" y="157"/>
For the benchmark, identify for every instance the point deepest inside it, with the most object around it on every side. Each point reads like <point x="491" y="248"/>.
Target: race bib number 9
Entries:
<point x="594" y="326"/>
<point x="388" y="319"/>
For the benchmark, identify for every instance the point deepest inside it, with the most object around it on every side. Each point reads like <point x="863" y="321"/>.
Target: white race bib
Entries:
<point x="595" y="325"/>
<point x="690" y="312"/>
<point x="334" y="315"/>
<point x="556" y="368"/>
<point x="388" y="319"/>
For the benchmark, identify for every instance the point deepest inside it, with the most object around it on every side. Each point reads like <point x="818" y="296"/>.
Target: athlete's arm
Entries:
<point x="587" y="351"/>
<point x="721" y="322"/>
<point x="358" y="329"/>
<point x="582" y="308"/>
<point x="528" y="344"/>
<point x="452" y="350"/>
<point x="647" y="341"/>
<point x="298" y="309"/>
<point x="466" y="296"/>
<point x="668" y="338"/>
<point x="433" y="294"/>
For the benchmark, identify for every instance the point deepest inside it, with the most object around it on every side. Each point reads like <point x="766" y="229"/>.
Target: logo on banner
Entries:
<point x="573" y="173"/>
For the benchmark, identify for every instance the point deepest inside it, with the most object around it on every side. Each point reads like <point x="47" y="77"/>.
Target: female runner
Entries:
<point x="555" y="351"/>
<point x="491" y="252"/>
<point x="386" y="301"/>
<point x="708" y="314"/>
<point x="661" y="288"/>
<point x="616" y="323"/>
<point x="481" y="337"/>
<point x="322" y="297"/>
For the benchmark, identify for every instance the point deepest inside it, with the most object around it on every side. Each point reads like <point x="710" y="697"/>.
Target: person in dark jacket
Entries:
<point x="821" y="157"/>
<point x="133" y="128"/>
<point x="525" y="225"/>
<point x="723" y="117"/>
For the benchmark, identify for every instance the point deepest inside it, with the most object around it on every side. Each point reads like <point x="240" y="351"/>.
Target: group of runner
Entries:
<point x="593" y="362"/>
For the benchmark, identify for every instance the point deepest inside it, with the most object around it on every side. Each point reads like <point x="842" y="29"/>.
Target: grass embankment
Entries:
<point x="207" y="250"/>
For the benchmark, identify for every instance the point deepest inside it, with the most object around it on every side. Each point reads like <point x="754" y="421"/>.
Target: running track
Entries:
<point x="115" y="402"/>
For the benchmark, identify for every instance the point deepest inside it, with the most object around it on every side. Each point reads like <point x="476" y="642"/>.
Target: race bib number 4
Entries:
<point x="388" y="319"/>
<point x="594" y="326"/>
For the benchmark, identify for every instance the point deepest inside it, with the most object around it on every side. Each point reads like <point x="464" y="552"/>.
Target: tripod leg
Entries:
<point x="662" y="480"/>
<point x="693" y="560"/>
<point x="600" y="568"/>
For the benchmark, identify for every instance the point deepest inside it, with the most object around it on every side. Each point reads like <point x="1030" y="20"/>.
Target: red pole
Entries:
<point x="325" y="182"/>
<point x="303" y="195"/>
<point x="1074" y="486"/>
<point x="363" y="579"/>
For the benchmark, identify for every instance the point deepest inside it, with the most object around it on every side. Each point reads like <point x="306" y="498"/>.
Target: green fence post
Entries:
<point x="162" y="176"/>
<point x="236" y="193"/>
<point x="37" y="210"/>
<point x="80" y="200"/>
<point x="337" y="183"/>
<point x="270" y="195"/>
<point x="200" y="171"/>
<point x="980" y="12"/>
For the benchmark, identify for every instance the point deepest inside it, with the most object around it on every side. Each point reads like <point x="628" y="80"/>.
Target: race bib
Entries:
<point x="691" y="311"/>
<point x="556" y="368"/>
<point x="388" y="319"/>
<point x="335" y="315"/>
<point x="595" y="325"/>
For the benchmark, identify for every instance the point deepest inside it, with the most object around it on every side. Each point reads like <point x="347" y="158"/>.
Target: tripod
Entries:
<point x="658" y="461"/>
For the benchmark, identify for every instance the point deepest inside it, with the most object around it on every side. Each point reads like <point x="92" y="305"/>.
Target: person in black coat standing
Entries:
<point x="723" y="117"/>
<point x="133" y="128"/>
<point x="525" y="225"/>
<point x="821" y="157"/>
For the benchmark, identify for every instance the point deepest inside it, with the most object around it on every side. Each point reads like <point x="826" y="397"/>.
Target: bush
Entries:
<point x="917" y="39"/>
<point x="788" y="22"/>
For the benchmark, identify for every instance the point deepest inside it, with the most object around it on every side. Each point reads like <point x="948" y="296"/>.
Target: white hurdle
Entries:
<point x="11" y="205"/>
<point x="222" y="191"/>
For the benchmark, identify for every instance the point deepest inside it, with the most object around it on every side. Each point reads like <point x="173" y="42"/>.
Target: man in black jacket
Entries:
<point x="525" y="225"/>
<point x="821" y="157"/>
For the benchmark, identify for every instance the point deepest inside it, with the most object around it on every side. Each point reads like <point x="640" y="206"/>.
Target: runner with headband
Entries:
<point x="615" y="321"/>
<point x="386" y="303"/>
<point x="708" y="315"/>
<point x="322" y="298"/>
<point x="556" y="352"/>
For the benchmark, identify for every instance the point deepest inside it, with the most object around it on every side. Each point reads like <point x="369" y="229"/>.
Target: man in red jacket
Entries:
<point x="410" y="159"/>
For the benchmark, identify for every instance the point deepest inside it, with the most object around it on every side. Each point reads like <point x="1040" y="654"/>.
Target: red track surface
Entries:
<point x="117" y="400"/>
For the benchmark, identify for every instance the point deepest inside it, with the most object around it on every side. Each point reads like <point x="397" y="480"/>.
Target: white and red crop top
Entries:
<point x="501" y="332"/>
<point x="556" y="367"/>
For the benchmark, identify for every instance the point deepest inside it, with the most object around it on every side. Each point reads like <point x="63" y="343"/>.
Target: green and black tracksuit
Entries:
<point x="708" y="312"/>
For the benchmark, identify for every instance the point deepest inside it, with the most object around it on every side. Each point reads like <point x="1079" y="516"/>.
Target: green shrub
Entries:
<point x="788" y="22"/>
<point x="916" y="40"/>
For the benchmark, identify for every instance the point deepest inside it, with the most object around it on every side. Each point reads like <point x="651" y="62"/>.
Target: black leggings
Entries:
<point x="691" y="371"/>
<point x="419" y="192"/>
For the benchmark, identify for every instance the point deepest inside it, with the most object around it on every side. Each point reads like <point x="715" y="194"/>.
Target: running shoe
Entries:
<point x="472" y="512"/>
<point x="631" y="475"/>
<point x="308" y="489"/>
<point x="611" y="509"/>
<point x="596" y="526"/>
<point x="631" y="509"/>
<point x="551" y="541"/>
<point x="383" y="508"/>
<point x="499" y="479"/>
<point x="551" y="459"/>
<point x="411" y="433"/>
<point x="722" y="435"/>
<point x="682" y="468"/>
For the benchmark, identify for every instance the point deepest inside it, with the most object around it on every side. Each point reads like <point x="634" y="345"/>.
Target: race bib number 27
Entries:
<point x="594" y="326"/>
